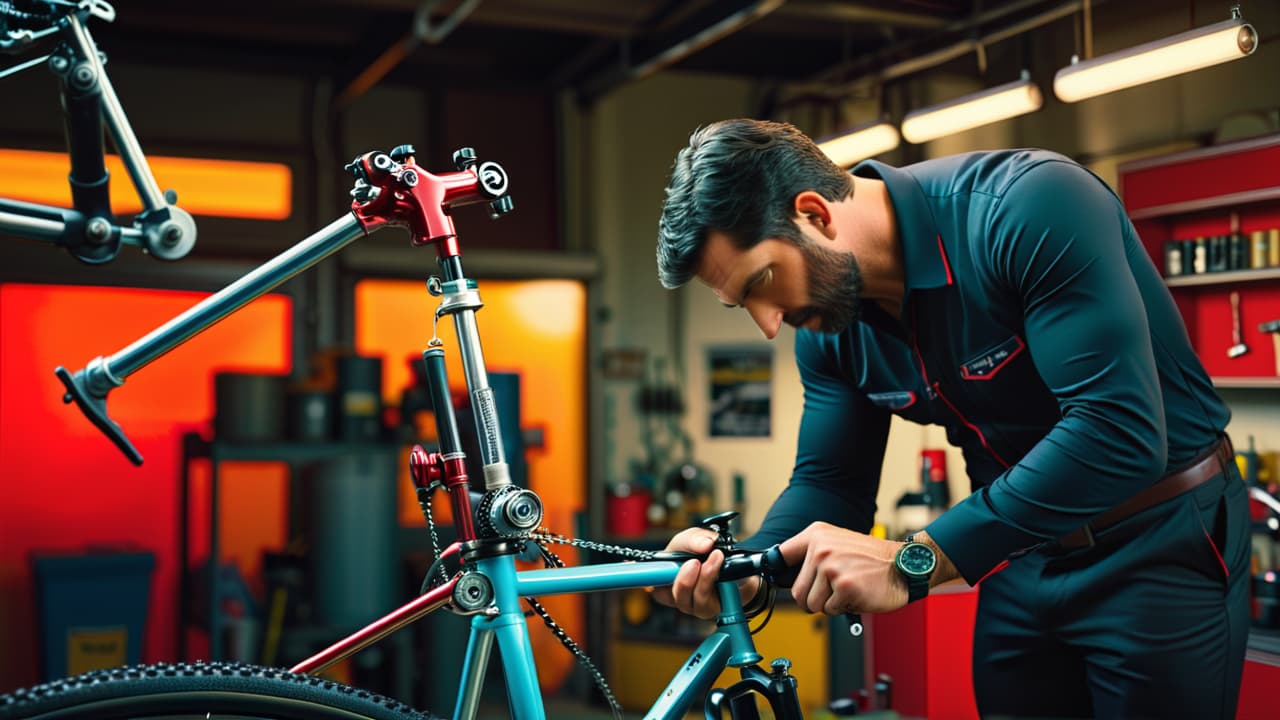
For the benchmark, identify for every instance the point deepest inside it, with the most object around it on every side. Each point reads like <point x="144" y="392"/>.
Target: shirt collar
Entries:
<point x="925" y="263"/>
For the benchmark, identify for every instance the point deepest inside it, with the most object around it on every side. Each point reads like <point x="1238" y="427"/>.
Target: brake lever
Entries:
<point x="94" y="406"/>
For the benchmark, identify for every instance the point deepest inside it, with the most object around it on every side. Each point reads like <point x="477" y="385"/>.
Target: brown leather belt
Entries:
<point x="1210" y="465"/>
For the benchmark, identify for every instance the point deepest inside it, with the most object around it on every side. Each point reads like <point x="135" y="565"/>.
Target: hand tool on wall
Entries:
<point x="1273" y="327"/>
<point x="1237" y="336"/>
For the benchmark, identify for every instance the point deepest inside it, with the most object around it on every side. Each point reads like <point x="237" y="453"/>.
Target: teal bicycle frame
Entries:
<point x="730" y="645"/>
<point x="391" y="189"/>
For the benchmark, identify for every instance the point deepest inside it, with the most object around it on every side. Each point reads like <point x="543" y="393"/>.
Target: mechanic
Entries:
<point x="1005" y="296"/>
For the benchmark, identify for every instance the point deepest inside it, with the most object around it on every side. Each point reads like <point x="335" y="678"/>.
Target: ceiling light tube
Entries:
<point x="1192" y="50"/>
<point x="860" y="143"/>
<point x="970" y="111"/>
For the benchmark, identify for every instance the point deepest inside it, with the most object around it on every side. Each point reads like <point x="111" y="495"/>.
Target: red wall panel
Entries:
<point x="65" y="486"/>
<point x="1201" y="176"/>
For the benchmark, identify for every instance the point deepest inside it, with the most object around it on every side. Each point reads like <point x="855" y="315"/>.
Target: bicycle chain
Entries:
<point x="424" y="502"/>
<point x="11" y="10"/>
<point x="550" y="559"/>
<point x="545" y="535"/>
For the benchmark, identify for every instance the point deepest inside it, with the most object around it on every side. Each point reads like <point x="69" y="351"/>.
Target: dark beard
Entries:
<point x="835" y="289"/>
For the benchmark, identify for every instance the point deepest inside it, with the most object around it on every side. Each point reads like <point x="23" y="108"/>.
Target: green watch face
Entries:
<point x="917" y="559"/>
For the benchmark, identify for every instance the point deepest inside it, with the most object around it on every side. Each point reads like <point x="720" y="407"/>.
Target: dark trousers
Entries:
<point x="1150" y="622"/>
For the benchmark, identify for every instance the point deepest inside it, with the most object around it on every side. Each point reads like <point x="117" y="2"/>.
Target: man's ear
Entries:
<point x="814" y="209"/>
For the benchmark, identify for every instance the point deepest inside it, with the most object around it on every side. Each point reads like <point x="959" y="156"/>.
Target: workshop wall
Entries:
<point x="640" y="127"/>
<point x="633" y="135"/>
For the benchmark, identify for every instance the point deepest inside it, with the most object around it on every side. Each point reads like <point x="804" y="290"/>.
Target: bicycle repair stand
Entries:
<point x="88" y="230"/>
<point x="390" y="190"/>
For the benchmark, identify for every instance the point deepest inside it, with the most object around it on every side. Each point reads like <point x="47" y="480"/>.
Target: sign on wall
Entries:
<point x="741" y="389"/>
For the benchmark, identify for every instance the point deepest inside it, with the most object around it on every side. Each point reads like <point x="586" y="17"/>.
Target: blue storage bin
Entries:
<point x="92" y="608"/>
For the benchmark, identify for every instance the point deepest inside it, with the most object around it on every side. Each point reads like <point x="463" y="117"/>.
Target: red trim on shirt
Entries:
<point x="1217" y="553"/>
<point x="945" y="264"/>
<point x="937" y="389"/>
<point x="1003" y="564"/>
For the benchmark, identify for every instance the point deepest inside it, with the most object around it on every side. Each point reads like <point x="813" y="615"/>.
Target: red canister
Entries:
<point x="626" y="511"/>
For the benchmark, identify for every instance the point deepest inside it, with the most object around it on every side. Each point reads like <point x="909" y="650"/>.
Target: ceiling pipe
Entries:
<point x="964" y="47"/>
<point x="603" y="82"/>
<point x="423" y="32"/>
<point x="856" y="12"/>
<point x="828" y="83"/>
<point x="434" y="34"/>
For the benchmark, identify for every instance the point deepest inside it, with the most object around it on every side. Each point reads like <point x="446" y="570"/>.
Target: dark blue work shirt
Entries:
<point x="1035" y="329"/>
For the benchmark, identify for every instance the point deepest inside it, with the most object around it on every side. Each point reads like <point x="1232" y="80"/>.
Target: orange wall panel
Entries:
<point x="223" y="188"/>
<point x="536" y="328"/>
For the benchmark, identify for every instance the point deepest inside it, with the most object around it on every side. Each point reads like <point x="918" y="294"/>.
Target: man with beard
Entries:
<point x="1006" y="296"/>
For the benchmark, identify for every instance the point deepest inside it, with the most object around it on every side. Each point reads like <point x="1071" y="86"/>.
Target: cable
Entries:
<point x="769" y="601"/>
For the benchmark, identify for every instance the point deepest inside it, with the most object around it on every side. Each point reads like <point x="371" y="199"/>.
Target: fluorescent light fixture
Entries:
<point x="970" y="111"/>
<point x="1209" y="45"/>
<point x="860" y="143"/>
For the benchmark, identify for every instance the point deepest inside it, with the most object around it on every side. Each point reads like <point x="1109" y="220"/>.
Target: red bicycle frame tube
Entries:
<point x="378" y="629"/>
<point x="455" y="478"/>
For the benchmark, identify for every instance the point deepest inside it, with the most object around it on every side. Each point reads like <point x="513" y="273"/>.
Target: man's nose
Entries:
<point x="766" y="317"/>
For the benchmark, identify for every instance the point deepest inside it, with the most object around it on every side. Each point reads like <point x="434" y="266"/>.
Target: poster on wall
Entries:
<point x="741" y="382"/>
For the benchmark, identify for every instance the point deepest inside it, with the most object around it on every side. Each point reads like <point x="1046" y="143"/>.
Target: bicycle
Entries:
<point x="494" y="528"/>
<point x="88" y="230"/>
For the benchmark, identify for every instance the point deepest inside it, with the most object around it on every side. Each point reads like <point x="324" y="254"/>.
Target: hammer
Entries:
<point x="1273" y="327"/>
<point x="1237" y="336"/>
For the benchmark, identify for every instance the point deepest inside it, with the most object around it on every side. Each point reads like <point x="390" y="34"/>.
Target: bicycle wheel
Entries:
<point x="213" y="691"/>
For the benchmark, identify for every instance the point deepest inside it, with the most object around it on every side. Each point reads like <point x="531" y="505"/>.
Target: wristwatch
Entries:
<point x="916" y="562"/>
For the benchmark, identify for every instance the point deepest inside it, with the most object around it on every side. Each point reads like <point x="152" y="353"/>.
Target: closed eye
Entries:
<point x="760" y="278"/>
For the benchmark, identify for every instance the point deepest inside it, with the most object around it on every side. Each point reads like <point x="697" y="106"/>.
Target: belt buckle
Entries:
<point x="1081" y="537"/>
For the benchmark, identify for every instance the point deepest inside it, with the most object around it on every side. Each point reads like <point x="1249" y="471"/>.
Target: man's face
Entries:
<point x="777" y="281"/>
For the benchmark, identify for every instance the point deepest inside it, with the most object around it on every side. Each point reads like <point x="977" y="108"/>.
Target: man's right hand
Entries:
<point x="694" y="590"/>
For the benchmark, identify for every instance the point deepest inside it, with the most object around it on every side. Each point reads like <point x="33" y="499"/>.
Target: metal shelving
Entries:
<point x="1217" y="202"/>
<point x="1228" y="277"/>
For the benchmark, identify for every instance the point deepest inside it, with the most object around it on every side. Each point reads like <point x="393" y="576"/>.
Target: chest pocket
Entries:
<point x="988" y="364"/>
<point x="1001" y="385"/>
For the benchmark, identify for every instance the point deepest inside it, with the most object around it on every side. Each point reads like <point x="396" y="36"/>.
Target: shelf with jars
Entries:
<point x="1210" y="220"/>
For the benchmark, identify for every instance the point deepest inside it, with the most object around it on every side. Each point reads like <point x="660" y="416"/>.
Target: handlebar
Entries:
<point x="740" y="564"/>
<point x="768" y="564"/>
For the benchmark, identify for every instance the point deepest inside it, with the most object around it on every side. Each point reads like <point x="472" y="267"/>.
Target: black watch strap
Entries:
<point x="917" y="588"/>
